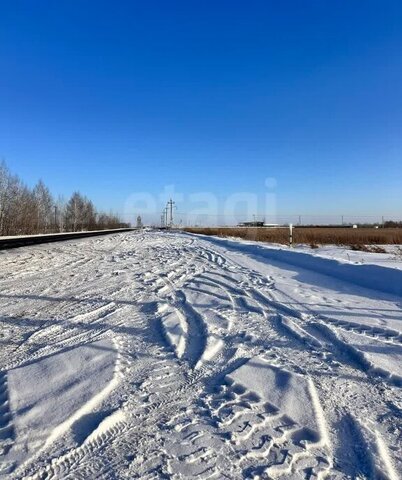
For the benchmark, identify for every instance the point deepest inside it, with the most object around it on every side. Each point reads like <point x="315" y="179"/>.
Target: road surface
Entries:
<point x="166" y="355"/>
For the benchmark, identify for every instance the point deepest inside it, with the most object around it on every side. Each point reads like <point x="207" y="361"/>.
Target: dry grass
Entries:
<point x="354" y="237"/>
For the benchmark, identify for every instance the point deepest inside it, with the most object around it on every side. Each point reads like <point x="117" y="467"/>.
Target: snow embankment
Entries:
<point x="377" y="277"/>
<point x="63" y="234"/>
<point x="391" y="256"/>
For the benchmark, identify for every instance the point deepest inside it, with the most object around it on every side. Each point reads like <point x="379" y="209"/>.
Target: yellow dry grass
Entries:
<point x="310" y="235"/>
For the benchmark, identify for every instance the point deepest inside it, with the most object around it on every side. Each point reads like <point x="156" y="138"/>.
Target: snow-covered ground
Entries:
<point x="392" y="257"/>
<point x="168" y="355"/>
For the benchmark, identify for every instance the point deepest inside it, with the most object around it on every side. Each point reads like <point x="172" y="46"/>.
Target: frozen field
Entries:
<point x="166" y="355"/>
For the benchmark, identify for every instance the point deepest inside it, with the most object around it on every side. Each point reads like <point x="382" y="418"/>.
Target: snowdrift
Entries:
<point x="383" y="279"/>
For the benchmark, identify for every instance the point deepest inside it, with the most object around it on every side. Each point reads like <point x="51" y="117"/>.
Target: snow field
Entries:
<point x="157" y="355"/>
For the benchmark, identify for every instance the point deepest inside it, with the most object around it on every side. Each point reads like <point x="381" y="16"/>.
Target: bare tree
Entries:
<point x="74" y="212"/>
<point x="89" y="215"/>
<point x="44" y="207"/>
<point x="5" y="196"/>
<point x="60" y="214"/>
<point x="28" y="211"/>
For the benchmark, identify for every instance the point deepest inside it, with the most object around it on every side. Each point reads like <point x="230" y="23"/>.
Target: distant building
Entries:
<point x="258" y="224"/>
<point x="139" y="221"/>
<point x="251" y="224"/>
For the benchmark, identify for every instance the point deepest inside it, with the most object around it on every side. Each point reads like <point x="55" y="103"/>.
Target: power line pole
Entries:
<point x="166" y="216"/>
<point x="290" y="235"/>
<point x="170" y="203"/>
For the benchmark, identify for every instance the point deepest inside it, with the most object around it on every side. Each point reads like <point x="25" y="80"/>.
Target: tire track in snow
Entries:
<point x="271" y="308"/>
<point x="265" y="438"/>
<point x="384" y="334"/>
<point x="345" y="349"/>
<point x="158" y="386"/>
<point x="65" y="465"/>
<point x="98" y="427"/>
<point x="51" y="339"/>
<point x="197" y="330"/>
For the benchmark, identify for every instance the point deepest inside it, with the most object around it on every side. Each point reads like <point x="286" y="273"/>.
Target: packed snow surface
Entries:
<point x="45" y="396"/>
<point x="169" y="355"/>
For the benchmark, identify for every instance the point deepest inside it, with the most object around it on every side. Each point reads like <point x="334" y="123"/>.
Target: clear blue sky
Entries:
<point x="115" y="97"/>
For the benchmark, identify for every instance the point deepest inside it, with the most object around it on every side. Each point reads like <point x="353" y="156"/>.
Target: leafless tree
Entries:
<point x="44" y="205"/>
<point x="29" y="211"/>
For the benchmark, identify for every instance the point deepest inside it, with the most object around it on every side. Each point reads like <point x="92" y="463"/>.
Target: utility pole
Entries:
<point x="170" y="203"/>
<point x="166" y="216"/>
<point x="290" y="235"/>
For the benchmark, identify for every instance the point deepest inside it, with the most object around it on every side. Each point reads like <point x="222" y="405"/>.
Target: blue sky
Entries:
<point x="113" y="98"/>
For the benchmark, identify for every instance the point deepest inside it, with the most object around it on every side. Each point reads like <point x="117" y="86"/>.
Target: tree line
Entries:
<point x="28" y="211"/>
<point x="392" y="224"/>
